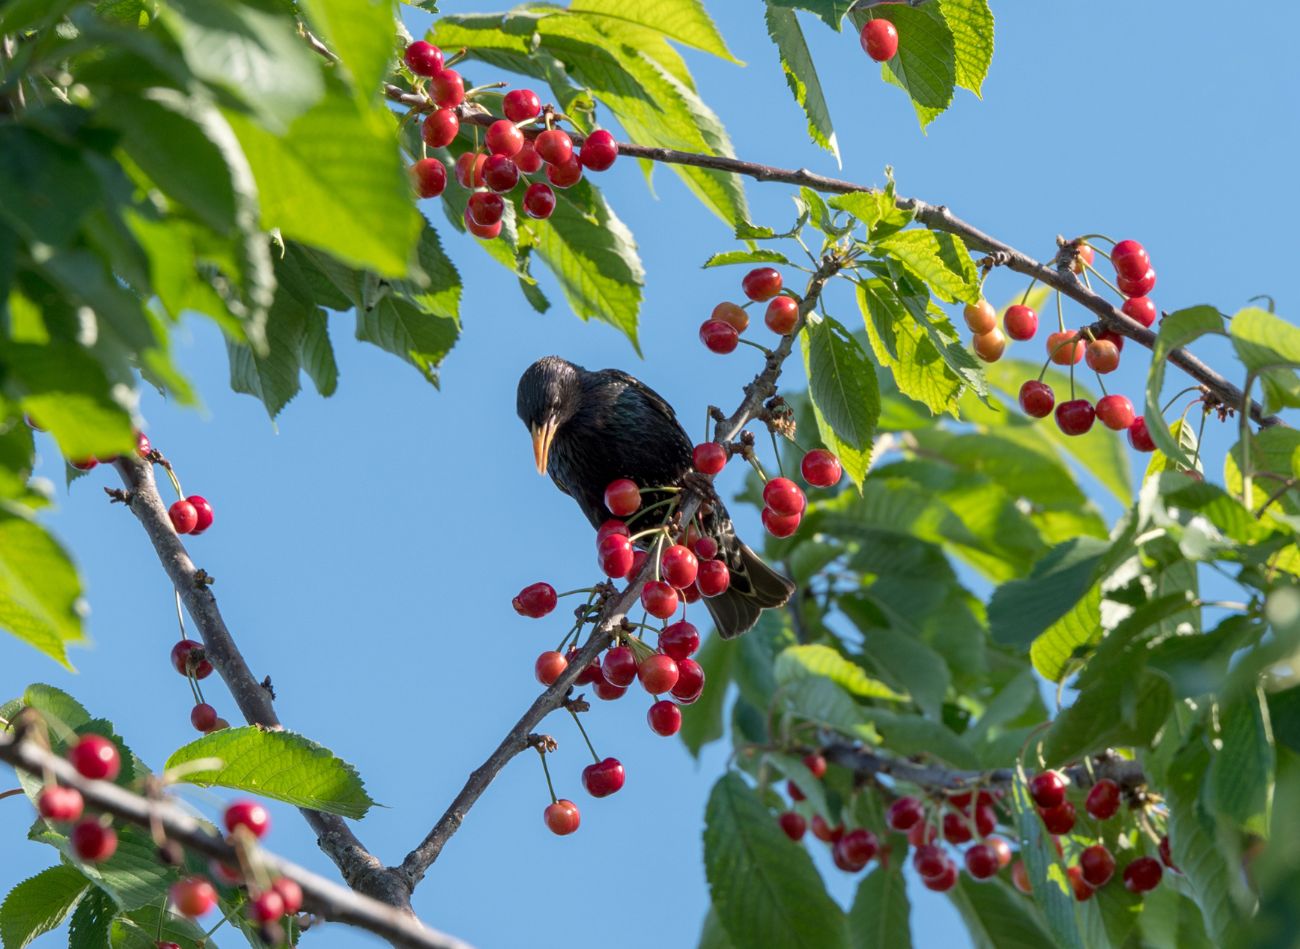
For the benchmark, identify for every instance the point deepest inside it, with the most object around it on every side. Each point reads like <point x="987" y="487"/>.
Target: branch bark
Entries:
<point x="321" y="897"/>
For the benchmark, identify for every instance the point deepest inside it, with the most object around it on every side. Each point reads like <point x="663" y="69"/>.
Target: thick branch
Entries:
<point x="361" y="869"/>
<point x="934" y="216"/>
<point x="321" y="897"/>
<point x="758" y="391"/>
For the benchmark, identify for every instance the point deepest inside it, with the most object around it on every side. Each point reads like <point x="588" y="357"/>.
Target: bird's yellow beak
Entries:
<point x="542" y="437"/>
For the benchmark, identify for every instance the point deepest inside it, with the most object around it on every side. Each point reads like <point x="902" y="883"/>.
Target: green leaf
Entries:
<point x="878" y="918"/>
<point x="1021" y="610"/>
<point x="830" y="11"/>
<point x="996" y="917"/>
<point x="254" y="55"/>
<point x="40" y="593"/>
<point x="820" y="700"/>
<point x="913" y="735"/>
<point x="702" y="722"/>
<point x="905" y="347"/>
<point x="593" y="255"/>
<point x="398" y="326"/>
<point x="686" y="21"/>
<point x="280" y="765"/>
<point x="60" y="710"/>
<point x="1054" y="650"/>
<point x="801" y="75"/>
<point x="361" y="33"/>
<point x="925" y="64"/>
<point x="800" y="662"/>
<point x="273" y="377"/>
<point x="334" y="182"/>
<point x="1177" y="329"/>
<point x="971" y="22"/>
<point x="1268" y="345"/>
<point x="904" y="660"/>
<point x="1001" y="456"/>
<point x="757" y="256"/>
<point x="712" y="935"/>
<point x="1183" y="432"/>
<point x="318" y="353"/>
<point x="1047" y="878"/>
<point x="941" y="261"/>
<point x="844" y="393"/>
<point x="47" y="185"/>
<point x="1284" y="715"/>
<point x="39" y="905"/>
<point x="92" y="922"/>
<point x="765" y="889"/>
<point x="133" y="876"/>
<point x="1241" y="775"/>
<point x="1120" y="710"/>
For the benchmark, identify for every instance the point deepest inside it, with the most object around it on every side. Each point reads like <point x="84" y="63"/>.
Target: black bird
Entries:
<point x="591" y="428"/>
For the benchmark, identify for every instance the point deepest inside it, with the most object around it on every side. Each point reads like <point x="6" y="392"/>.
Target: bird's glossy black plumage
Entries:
<point x="591" y="428"/>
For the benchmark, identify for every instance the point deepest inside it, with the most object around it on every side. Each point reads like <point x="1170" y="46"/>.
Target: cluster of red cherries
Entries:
<point x="189" y="659"/>
<point x="510" y="154"/>
<point x="94" y="840"/>
<point x="720" y="333"/>
<point x="1135" y="278"/>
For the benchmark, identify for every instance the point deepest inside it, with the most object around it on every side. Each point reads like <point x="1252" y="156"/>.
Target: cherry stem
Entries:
<point x="1088" y="237"/>
<point x="1101" y="385"/>
<point x="547" y="771"/>
<point x="577" y="591"/>
<point x="176" y="483"/>
<point x="762" y="349"/>
<point x="1029" y="289"/>
<point x="471" y="93"/>
<point x="777" y="452"/>
<point x="1105" y="281"/>
<point x="1178" y="396"/>
<point x="13" y="792"/>
<point x="577" y="721"/>
<point x="1072" y="378"/>
<point x="1060" y="313"/>
<point x="651" y="507"/>
<point x="657" y="529"/>
<point x="1200" y="437"/>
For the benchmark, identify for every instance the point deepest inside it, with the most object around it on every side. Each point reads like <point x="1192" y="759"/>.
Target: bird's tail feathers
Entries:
<point x="754" y="587"/>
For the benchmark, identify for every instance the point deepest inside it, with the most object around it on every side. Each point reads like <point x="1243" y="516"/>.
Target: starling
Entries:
<point x="592" y="428"/>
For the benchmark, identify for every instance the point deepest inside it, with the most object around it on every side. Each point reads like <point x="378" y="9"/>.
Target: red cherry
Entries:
<point x="1142" y="875"/>
<point x="615" y="555"/>
<point x="1084" y="254"/>
<point x="528" y="160"/>
<point x="793" y="824"/>
<point x="221" y="723"/>
<point x="679" y="566"/>
<point x="203" y="716"/>
<point x="1113" y="337"/>
<point x="1166" y="857"/>
<point x="486" y="208"/>
<point x="1097" y="865"/>
<point x="922" y="834"/>
<point x="142" y="446"/>
<point x="1047" y="788"/>
<point x="719" y="337"/>
<point x="706" y="548"/>
<point x="503" y="138"/>
<point x="784" y="497"/>
<point x="562" y="818"/>
<point x="1075" y="417"/>
<point x="1139" y="437"/>
<point x="1140" y="308"/>
<point x="986" y="819"/>
<point x="469" y="169"/>
<point x="1103" y="800"/>
<point x="266" y="907"/>
<point x="622" y="497"/>
<point x="1130" y="259"/>
<point x="658" y="673"/>
<point x="423" y="59"/>
<point x="290" y="894"/>
<point x="598" y="150"/>
<point x="619" y="666"/>
<point x="659" y="599"/>
<point x="879" y="39"/>
<point x="520" y="105"/>
<point x="690" y="681"/>
<point x="58" y="803"/>
<point x="980" y="317"/>
<point x="95" y="757"/>
<point x="86" y="464"/>
<point x="555" y="146"/>
<point x="1037" y="398"/>
<point x="691" y="594"/>
<point x="815" y="763"/>
<point x="588" y="675"/>
<point x="428" y="177"/>
<point x="944" y="881"/>
<point x="248" y="814"/>
<point x="183" y="517"/>
<point x="1138" y="286"/>
<point x="793" y="790"/>
<point x="781" y="315"/>
<point x="904" y="813"/>
<point x="639" y="557"/>
<point x="779" y="525"/>
<point x="1065" y="347"/>
<point x="204" y="510"/>
<point x="1020" y="877"/>
<point x="500" y="173"/>
<point x="709" y="458"/>
<point x="566" y="174"/>
<point x="955" y="828"/>
<point x="549" y="666"/>
<point x="607" y="692"/>
<point x="186" y="664"/>
<point x="929" y="860"/>
<point x="713" y="578"/>
<point x="665" y="718"/>
<point x="539" y="201"/>
<point x="611" y="526"/>
<point x="990" y="346"/>
<point x="824" y="831"/>
<point x="731" y="313"/>
<point x="1115" y="412"/>
<point x="854" y="850"/>
<point x="1001" y="848"/>
<point x="485" y="232"/>
<point x="1059" y="819"/>
<point x="680" y="640"/>
<point x="1082" y="891"/>
<point x="821" y="469"/>
<point x="535" y="600"/>
<point x="761" y="284"/>
<point x="982" y="862"/>
<point x="92" y="841"/>
<point x="447" y="88"/>
<point x="440" y="128"/>
<point x="1021" y="322"/>
<point x="603" y="778"/>
<point x="1102" y="356"/>
<point x="193" y="896"/>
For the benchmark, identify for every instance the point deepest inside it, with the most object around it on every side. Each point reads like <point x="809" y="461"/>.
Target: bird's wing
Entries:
<point x="653" y="397"/>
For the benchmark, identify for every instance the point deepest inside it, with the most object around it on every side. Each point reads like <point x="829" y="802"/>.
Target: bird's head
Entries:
<point x="547" y="398"/>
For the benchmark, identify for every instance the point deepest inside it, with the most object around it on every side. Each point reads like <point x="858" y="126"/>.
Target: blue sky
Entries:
<point x="366" y="546"/>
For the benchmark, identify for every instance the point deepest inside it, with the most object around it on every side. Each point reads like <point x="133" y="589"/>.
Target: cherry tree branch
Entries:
<point x="323" y="898"/>
<point x="364" y="872"/>
<point x="935" y="216"/>
<point x="758" y="391"/>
